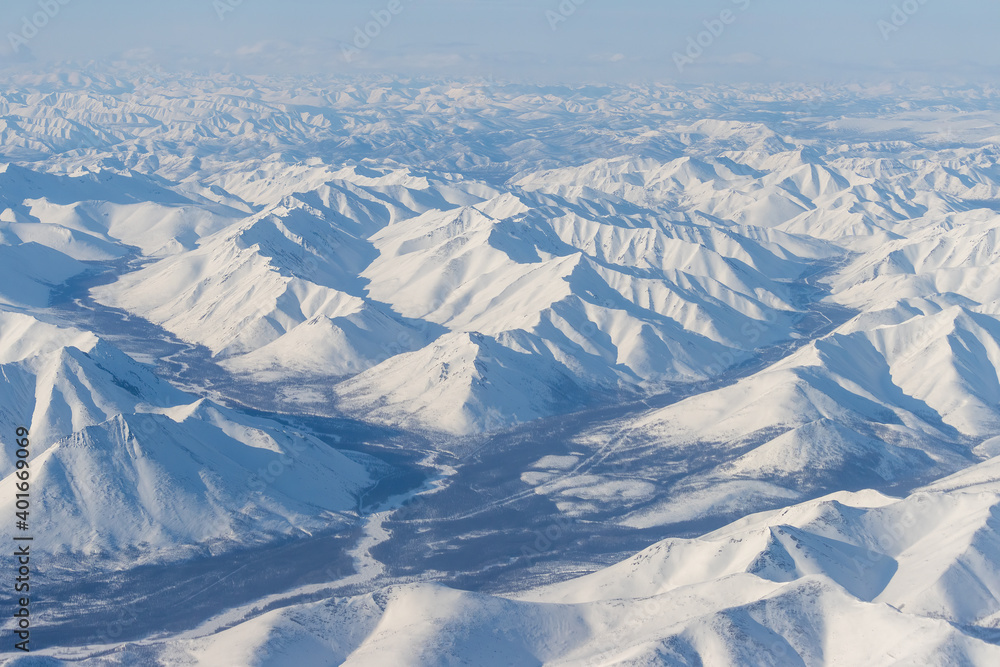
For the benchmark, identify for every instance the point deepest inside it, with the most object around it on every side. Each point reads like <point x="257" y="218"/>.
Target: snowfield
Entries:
<point x="373" y="372"/>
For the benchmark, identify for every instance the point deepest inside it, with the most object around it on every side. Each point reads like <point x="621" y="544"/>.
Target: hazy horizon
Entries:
<point x="569" y="41"/>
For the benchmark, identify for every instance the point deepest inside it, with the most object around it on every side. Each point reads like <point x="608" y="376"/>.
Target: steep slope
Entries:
<point x="247" y="287"/>
<point x="461" y="383"/>
<point x="192" y="480"/>
<point x="29" y="272"/>
<point x="62" y="380"/>
<point x="529" y="264"/>
<point x="128" y="469"/>
<point x="889" y="398"/>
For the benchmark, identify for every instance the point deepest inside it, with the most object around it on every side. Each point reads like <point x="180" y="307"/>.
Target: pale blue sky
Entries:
<point x="601" y="40"/>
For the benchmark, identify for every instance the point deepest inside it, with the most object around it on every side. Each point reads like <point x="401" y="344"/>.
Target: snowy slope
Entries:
<point x="128" y="467"/>
<point x="57" y="380"/>
<point x="194" y="479"/>
<point x="29" y="272"/>
<point x="906" y="399"/>
<point x="461" y="383"/>
<point x="847" y="579"/>
<point x="250" y="285"/>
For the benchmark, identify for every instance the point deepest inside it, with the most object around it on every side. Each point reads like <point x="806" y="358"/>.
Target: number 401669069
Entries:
<point x="22" y="474"/>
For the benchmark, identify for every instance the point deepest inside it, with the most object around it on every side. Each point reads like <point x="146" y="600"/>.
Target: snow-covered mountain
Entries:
<point x="381" y="372"/>
<point x="851" y="578"/>
<point x="129" y="469"/>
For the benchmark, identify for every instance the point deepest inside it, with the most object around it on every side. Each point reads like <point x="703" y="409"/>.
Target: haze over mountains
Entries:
<point x="410" y="372"/>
